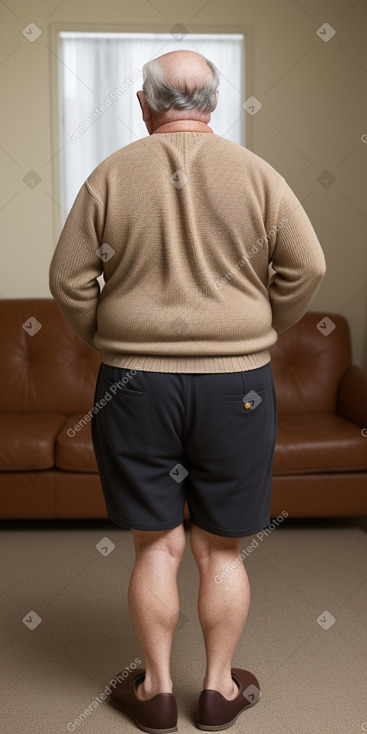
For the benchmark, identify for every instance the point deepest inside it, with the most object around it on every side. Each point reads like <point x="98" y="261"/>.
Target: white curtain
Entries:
<point x="108" y="66"/>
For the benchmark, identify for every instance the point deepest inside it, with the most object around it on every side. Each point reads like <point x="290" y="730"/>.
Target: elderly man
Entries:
<point x="184" y="225"/>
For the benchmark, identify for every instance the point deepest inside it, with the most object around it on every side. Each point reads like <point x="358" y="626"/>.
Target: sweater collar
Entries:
<point x="176" y="127"/>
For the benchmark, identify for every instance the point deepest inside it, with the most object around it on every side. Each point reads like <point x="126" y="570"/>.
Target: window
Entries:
<point x="99" y="76"/>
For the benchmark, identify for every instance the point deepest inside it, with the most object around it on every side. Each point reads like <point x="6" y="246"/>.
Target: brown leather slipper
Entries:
<point x="157" y="715"/>
<point x="217" y="713"/>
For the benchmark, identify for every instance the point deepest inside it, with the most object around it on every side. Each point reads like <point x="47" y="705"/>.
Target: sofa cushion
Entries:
<point x="317" y="442"/>
<point x="308" y="364"/>
<point x="28" y="440"/>
<point x="44" y="366"/>
<point x="74" y="448"/>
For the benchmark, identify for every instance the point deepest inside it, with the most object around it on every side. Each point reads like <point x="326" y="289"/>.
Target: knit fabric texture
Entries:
<point x="184" y="226"/>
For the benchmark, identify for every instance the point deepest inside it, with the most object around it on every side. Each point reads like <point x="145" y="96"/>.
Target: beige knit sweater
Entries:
<point x="183" y="226"/>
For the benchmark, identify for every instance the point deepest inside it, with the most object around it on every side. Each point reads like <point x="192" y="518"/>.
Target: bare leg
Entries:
<point x="154" y="603"/>
<point x="223" y="605"/>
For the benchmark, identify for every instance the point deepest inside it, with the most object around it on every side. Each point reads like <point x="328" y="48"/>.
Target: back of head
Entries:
<point x="184" y="93"/>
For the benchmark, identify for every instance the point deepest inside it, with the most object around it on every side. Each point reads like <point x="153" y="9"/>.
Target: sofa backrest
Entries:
<point x="308" y="362"/>
<point x="45" y="367"/>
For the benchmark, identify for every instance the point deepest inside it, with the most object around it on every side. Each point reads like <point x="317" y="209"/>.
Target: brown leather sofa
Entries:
<point x="47" y="385"/>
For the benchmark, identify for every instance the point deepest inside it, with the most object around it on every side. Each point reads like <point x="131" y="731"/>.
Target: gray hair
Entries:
<point x="161" y="98"/>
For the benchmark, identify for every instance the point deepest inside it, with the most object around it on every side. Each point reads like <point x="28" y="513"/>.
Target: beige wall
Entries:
<point x="313" y="117"/>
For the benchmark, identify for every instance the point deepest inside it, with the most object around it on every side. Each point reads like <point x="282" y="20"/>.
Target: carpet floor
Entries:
<point x="66" y="632"/>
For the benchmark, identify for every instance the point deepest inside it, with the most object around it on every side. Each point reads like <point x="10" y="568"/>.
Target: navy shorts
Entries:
<point x="163" y="438"/>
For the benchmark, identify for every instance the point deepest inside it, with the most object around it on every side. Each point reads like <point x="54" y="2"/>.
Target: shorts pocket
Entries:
<point x="248" y="402"/>
<point x="123" y="391"/>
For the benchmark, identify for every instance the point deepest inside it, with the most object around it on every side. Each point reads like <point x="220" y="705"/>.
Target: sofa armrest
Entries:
<point x="352" y="396"/>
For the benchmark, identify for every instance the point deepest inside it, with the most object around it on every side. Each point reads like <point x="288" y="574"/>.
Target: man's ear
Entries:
<point x="147" y="114"/>
<point x="139" y="100"/>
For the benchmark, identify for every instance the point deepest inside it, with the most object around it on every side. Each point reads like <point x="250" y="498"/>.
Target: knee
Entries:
<point x="171" y="542"/>
<point x="205" y="545"/>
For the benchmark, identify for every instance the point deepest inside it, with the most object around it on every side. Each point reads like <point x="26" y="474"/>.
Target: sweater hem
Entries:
<point x="202" y="365"/>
